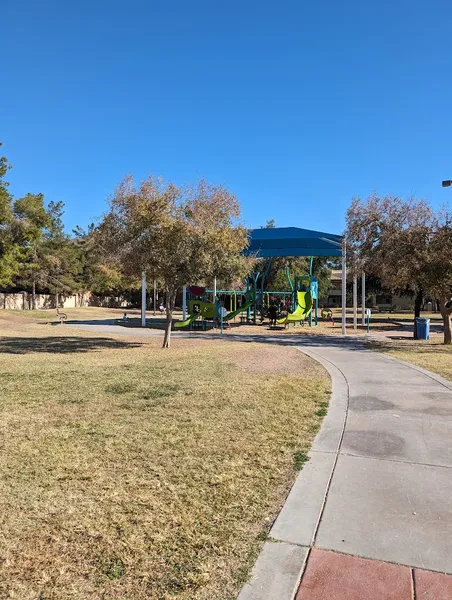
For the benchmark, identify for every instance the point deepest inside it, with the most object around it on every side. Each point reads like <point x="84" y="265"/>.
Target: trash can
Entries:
<point x="422" y="328"/>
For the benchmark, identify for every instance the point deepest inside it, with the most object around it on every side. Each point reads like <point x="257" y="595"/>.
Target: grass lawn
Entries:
<point x="91" y="313"/>
<point x="128" y="472"/>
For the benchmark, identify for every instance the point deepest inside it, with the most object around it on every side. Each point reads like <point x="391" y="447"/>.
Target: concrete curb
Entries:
<point x="280" y="565"/>
<point x="277" y="572"/>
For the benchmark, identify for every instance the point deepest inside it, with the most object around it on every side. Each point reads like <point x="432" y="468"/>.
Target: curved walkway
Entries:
<point x="378" y="486"/>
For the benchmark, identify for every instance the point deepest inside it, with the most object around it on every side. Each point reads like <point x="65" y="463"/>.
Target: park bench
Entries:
<point x="386" y="308"/>
<point x="61" y="316"/>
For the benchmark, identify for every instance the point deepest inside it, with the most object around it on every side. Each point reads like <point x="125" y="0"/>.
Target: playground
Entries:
<point x="298" y="304"/>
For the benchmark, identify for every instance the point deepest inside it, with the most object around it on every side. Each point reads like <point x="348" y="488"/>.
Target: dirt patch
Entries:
<point x="276" y="359"/>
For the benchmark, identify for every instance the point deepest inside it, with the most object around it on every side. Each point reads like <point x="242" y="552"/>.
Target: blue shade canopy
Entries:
<point x="293" y="241"/>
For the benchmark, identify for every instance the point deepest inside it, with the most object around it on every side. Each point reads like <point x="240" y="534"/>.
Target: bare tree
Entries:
<point x="181" y="236"/>
<point x="407" y="244"/>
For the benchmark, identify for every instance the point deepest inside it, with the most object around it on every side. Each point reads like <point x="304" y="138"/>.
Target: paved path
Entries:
<point x="378" y="486"/>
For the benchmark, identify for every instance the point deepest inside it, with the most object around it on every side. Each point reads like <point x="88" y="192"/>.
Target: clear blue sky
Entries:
<point x="296" y="106"/>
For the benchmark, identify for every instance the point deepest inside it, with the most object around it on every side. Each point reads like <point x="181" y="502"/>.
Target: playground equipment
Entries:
<point x="279" y="242"/>
<point x="243" y="308"/>
<point x="198" y="308"/>
<point x="188" y="322"/>
<point x="302" y="299"/>
<point x="301" y="312"/>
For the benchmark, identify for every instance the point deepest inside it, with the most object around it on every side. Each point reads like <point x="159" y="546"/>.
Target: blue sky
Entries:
<point x="296" y="106"/>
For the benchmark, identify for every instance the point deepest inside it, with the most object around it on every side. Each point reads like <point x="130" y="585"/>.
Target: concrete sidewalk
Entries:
<point x="378" y="486"/>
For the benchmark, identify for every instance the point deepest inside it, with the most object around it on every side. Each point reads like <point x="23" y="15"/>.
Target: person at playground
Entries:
<point x="162" y="308"/>
<point x="272" y="313"/>
<point x="327" y="314"/>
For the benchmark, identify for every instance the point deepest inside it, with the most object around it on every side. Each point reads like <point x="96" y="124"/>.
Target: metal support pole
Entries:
<point x="355" y="302"/>
<point x="311" y="259"/>
<point x="363" y="299"/>
<point x="184" y="303"/>
<point x="247" y="298"/>
<point x="255" y="298"/>
<point x="344" y="288"/>
<point x="143" y="299"/>
<point x="214" y="293"/>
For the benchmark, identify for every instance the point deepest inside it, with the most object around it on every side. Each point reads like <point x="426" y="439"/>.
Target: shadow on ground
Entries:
<point x="61" y="345"/>
<point x="132" y="322"/>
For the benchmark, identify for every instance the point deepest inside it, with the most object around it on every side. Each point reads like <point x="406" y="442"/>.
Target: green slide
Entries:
<point x="191" y="319"/>
<point x="304" y="307"/>
<point x="234" y="313"/>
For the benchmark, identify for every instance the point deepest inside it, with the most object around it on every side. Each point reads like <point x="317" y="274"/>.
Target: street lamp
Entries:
<point x="447" y="183"/>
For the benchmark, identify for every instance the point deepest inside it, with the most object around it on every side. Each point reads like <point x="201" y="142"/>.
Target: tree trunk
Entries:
<point x="170" y="300"/>
<point x="417" y="309"/>
<point x="33" y="294"/>
<point x="446" y="313"/>
<point x="57" y="300"/>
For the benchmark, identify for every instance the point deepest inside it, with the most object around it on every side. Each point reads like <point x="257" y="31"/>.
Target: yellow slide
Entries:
<point x="191" y="319"/>
<point x="304" y="307"/>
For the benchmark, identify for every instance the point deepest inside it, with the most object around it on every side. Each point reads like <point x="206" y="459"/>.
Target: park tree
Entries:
<point x="180" y="235"/>
<point x="438" y="272"/>
<point x="22" y="225"/>
<point x="406" y="244"/>
<point x="9" y="247"/>
<point x="269" y="224"/>
<point x="31" y="219"/>
<point x="99" y="276"/>
<point x="321" y="268"/>
<point x="59" y="259"/>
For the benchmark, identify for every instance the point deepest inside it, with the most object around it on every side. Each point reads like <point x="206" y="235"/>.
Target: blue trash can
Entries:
<point x="422" y="328"/>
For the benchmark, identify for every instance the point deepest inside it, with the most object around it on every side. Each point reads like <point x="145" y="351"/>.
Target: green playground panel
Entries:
<point x="205" y="309"/>
<point x="242" y="308"/>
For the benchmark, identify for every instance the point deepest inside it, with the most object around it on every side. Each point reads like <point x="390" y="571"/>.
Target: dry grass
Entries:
<point x="128" y="472"/>
<point x="431" y="355"/>
<point x="379" y="323"/>
<point x="49" y="315"/>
